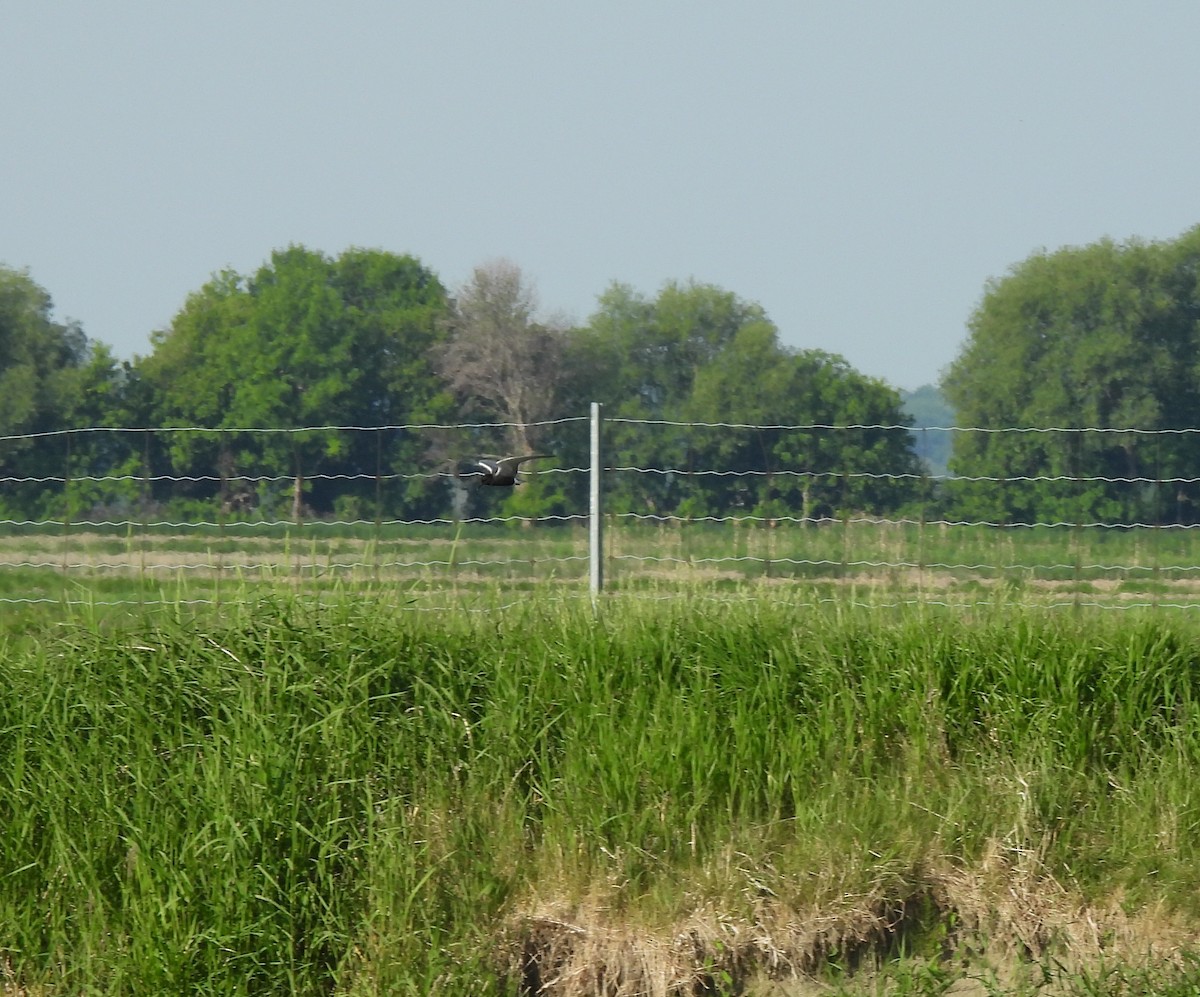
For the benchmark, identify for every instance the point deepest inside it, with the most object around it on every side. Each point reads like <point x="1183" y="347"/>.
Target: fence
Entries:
<point x="810" y="514"/>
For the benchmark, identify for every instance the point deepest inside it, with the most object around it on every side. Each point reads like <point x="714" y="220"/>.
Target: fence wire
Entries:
<point x="813" y="515"/>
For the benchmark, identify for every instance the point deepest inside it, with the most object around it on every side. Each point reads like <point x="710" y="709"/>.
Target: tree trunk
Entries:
<point x="298" y="498"/>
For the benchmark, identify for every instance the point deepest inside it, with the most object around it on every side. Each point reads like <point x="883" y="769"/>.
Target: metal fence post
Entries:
<point x="595" y="512"/>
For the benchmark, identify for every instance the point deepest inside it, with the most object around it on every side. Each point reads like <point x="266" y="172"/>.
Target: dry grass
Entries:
<point x="1008" y="918"/>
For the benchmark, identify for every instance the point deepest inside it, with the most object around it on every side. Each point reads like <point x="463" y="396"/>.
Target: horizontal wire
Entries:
<point x="330" y="562"/>
<point x="626" y="469"/>
<point x="823" y="426"/>
<point x="898" y="476"/>
<point x="926" y="565"/>
<point x="121" y="603"/>
<point x="885" y="521"/>
<point x="306" y="524"/>
<point x="246" y="478"/>
<point x="290" y="430"/>
<point x="821" y="521"/>
<point x="758" y="594"/>
<point x="291" y="566"/>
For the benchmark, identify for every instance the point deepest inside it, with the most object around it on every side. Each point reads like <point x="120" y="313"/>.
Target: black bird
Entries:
<point x="501" y="471"/>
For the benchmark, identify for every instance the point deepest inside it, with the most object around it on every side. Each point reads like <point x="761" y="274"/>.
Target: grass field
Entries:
<point x="679" y="795"/>
<point x="854" y="560"/>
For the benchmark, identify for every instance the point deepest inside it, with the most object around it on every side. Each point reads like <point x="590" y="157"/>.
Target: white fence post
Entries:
<point x="595" y="512"/>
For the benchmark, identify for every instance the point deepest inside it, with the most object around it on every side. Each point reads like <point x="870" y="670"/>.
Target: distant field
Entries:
<point x="285" y="794"/>
<point x="856" y="559"/>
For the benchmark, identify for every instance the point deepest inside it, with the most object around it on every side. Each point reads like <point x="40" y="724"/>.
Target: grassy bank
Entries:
<point x="670" y="794"/>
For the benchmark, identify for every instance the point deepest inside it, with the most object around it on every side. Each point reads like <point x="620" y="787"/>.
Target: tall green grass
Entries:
<point x="351" y="798"/>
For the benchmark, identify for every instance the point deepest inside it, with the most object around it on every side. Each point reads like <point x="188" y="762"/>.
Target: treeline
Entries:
<point x="1097" y="342"/>
<point x="373" y="339"/>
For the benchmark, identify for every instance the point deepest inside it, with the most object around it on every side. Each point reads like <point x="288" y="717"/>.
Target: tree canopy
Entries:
<point x="44" y="364"/>
<point x="698" y="354"/>
<point x="371" y="340"/>
<point x="305" y="341"/>
<point x="1092" y="340"/>
<point x="52" y="378"/>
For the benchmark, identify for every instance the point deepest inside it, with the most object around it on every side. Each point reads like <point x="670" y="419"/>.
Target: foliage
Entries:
<point x="349" y="798"/>
<point x="698" y="354"/>
<point x="52" y="379"/>
<point x="41" y="361"/>
<point x="306" y="341"/>
<point x="1094" y="340"/>
<point x="370" y="340"/>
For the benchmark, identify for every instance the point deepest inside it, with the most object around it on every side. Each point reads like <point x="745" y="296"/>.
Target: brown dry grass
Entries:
<point x="1004" y="918"/>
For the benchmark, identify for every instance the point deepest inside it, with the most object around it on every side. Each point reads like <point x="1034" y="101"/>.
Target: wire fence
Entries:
<point x="812" y="514"/>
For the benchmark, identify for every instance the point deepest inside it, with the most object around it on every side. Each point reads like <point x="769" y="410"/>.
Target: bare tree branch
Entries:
<point x="499" y="359"/>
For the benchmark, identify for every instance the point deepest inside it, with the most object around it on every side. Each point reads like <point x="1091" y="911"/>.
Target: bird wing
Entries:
<point x="509" y="465"/>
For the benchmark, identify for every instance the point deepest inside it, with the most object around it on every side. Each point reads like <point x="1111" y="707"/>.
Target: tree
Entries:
<point x="52" y="378"/>
<point x="811" y="471"/>
<point x="1092" y="341"/>
<point x="305" y="341"/>
<point x="699" y="354"/>
<point x="499" y="361"/>
<point x="40" y="359"/>
<point x="640" y="357"/>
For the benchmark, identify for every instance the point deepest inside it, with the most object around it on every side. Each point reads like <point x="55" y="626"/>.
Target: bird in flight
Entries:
<point x="500" y="471"/>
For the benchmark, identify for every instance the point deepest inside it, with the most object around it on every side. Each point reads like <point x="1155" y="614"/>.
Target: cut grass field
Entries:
<point x="670" y="796"/>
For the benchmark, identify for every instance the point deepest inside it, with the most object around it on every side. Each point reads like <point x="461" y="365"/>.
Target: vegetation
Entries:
<point x="352" y="798"/>
<point x="307" y="341"/>
<point x="1102" y="337"/>
<point x="697" y="354"/>
<point x="372" y="340"/>
<point x="312" y="746"/>
<point x="1089" y="348"/>
<point x="50" y="376"/>
<point x="850" y="560"/>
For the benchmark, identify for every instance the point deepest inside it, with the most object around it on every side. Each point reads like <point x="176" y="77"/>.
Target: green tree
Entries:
<point x="640" y="357"/>
<point x="306" y="341"/>
<point x="811" y="472"/>
<point x="1090" y="341"/>
<point x="52" y="378"/>
<point x="699" y="354"/>
<point x="40" y="359"/>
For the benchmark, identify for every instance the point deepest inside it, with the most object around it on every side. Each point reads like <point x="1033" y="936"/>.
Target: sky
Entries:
<point x="861" y="170"/>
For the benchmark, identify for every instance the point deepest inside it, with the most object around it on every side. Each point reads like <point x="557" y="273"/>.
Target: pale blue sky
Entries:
<point x="858" y="169"/>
